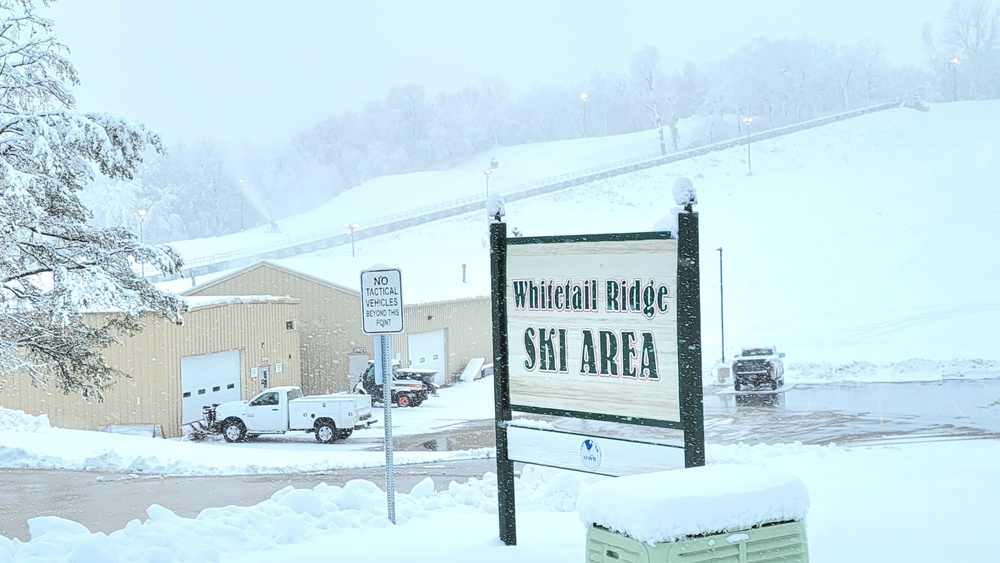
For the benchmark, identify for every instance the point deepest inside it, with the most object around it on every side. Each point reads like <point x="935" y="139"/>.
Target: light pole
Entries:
<point x="954" y="83"/>
<point x="241" y="205"/>
<point x="583" y="98"/>
<point x="141" y="214"/>
<point x="352" y="227"/>
<point x="722" y="314"/>
<point x="748" y="120"/>
<point x="487" y="174"/>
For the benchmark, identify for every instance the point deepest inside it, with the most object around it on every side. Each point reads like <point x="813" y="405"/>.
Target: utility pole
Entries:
<point x="748" y="120"/>
<point x="241" y="204"/>
<point x="722" y="313"/>
<point x="954" y="82"/>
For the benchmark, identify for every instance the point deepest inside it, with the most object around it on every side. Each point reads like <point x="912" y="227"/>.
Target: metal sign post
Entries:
<point x="382" y="314"/>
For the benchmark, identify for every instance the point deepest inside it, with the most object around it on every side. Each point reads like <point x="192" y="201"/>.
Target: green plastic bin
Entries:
<point x="783" y="542"/>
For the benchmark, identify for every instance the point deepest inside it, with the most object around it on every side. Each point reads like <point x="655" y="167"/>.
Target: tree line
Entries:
<point x="191" y="192"/>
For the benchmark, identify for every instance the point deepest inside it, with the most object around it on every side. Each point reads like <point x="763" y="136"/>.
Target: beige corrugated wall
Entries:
<point x="467" y="325"/>
<point x="331" y="320"/>
<point x="152" y="359"/>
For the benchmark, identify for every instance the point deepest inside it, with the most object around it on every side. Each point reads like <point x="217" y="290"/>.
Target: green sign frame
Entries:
<point x="688" y="318"/>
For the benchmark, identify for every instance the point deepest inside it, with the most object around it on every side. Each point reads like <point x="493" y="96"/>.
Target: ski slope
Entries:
<point x="870" y="239"/>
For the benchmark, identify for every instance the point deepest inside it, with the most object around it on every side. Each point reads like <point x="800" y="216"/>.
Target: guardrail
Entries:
<point x="381" y="225"/>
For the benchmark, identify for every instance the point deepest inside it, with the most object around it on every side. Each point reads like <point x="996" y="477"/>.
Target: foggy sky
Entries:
<point x="255" y="71"/>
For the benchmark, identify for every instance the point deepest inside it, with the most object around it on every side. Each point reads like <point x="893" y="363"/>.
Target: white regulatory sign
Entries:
<point x="381" y="301"/>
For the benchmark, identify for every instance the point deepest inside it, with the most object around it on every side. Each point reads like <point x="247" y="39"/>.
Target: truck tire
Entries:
<point x="233" y="430"/>
<point x="403" y="400"/>
<point x="326" y="432"/>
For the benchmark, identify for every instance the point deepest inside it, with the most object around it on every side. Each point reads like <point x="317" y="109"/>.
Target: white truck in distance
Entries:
<point x="757" y="366"/>
<point x="281" y="409"/>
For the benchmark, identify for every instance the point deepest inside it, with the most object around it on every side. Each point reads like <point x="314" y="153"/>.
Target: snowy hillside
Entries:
<point x="870" y="239"/>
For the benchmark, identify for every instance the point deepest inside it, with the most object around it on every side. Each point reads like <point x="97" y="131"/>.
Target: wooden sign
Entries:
<point x="592" y="327"/>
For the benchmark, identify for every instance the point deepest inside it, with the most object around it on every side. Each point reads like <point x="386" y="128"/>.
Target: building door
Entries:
<point x="208" y="379"/>
<point x="263" y="372"/>
<point x="426" y="351"/>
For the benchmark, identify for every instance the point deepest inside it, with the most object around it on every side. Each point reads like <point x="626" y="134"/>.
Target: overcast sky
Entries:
<point x="260" y="70"/>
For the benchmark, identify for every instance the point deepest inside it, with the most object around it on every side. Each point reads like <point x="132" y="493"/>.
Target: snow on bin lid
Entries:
<point x="671" y="505"/>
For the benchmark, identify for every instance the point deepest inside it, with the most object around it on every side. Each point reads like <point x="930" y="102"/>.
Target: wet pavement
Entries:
<point x="810" y="414"/>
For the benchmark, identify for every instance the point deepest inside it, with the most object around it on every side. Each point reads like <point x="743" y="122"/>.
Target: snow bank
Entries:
<point x="19" y="421"/>
<point x="892" y="372"/>
<point x="290" y="516"/>
<point x="670" y="505"/>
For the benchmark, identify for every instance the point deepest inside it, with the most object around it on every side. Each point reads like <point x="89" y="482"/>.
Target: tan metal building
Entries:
<point x="443" y="335"/>
<point x="227" y="349"/>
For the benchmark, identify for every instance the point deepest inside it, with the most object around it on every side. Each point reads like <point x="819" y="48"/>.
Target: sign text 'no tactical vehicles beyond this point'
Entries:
<point x="381" y="301"/>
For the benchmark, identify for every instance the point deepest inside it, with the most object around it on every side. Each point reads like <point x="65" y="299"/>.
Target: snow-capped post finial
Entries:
<point x="684" y="193"/>
<point x="494" y="208"/>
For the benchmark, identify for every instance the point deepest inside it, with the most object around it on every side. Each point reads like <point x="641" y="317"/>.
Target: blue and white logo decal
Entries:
<point x="590" y="454"/>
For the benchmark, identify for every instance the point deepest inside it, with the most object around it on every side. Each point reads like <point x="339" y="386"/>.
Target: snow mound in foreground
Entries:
<point x="290" y="516"/>
<point x="19" y="421"/>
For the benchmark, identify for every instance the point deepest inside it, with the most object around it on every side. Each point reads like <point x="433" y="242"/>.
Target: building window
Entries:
<point x="201" y="391"/>
<point x="187" y="394"/>
<point x="289" y="325"/>
<point x="216" y="389"/>
<point x="231" y="386"/>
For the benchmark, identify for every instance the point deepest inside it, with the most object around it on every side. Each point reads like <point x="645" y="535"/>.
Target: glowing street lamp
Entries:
<point x="241" y="204"/>
<point x="141" y="214"/>
<point x="748" y="120"/>
<point x="583" y="98"/>
<point x="352" y="227"/>
<point x="954" y="82"/>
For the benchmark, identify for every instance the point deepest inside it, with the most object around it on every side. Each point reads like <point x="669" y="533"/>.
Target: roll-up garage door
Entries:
<point x="208" y="379"/>
<point x="426" y="351"/>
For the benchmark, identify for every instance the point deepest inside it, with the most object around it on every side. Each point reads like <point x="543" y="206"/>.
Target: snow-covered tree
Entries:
<point x="55" y="266"/>
<point x="967" y="56"/>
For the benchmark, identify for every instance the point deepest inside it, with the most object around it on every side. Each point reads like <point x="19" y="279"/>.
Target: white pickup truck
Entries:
<point x="282" y="409"/>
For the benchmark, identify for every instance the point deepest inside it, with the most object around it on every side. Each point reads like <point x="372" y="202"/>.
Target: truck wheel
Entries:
<point x="233" y="430"/>
<point x="403" y="400"/>
<point x="326" y="432"/>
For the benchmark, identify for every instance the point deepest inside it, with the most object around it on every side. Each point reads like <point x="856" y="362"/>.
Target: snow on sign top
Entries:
<point x="381" y="301"/>
<point x="671" y="505"/>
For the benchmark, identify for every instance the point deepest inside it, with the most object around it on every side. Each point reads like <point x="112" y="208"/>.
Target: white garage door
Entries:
<point x="207" y="380"/>
<point x="426" y="351"/>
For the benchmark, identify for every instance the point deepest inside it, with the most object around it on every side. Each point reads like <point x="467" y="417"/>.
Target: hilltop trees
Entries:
<point x="54" y="265"/>
<point x="966" y="58"/>
<point x="776" y="81"/>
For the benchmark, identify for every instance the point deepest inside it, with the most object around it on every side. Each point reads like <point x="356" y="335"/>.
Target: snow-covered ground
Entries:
<point x="28" y="442"/>
<point x="862" y="249"/>
<point x="923" y="502"/>
<point x="869" y="240"/>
